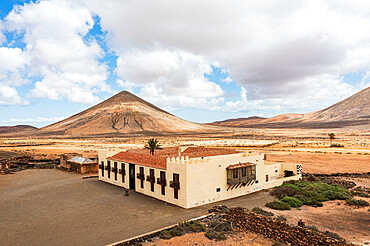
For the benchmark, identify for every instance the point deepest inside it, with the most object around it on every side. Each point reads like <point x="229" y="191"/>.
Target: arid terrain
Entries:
<point x="73" y="206"/>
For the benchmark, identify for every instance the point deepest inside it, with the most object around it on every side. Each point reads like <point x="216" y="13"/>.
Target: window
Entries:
<point x="218" y="189"/>
<point x="142" y="177"/>
<point x="123" y="172"/>
<point x="241" y="175"/>
<point x="152" y="180"/>
<point x="102" y="168"/>
<point x="115" y="170"/>
<point x="244" y="171"/>
<point x="108" y="169"/>
<point x="163" y="183"/>
<point x="176" y="182"/>
<point x="235" y="173"/>
<point x="267" y="178"/>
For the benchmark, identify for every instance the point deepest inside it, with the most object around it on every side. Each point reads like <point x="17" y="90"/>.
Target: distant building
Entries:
<point x="193" y="176"/>
<point x="78" y="164"/>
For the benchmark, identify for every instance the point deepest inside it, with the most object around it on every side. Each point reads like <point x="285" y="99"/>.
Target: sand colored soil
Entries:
<point x="324" y="162"/>
<point x="349" y="222"/>
<point x="238" y="239"/>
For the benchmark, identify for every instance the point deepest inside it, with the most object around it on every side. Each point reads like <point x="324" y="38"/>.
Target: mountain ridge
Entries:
<point x="352" y="111"/>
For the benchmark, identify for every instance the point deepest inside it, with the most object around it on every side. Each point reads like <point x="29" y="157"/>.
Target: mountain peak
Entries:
<point x="122" y="113"/>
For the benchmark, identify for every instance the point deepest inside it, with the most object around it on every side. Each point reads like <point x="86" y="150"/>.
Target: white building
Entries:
<point x="193" y="176"/>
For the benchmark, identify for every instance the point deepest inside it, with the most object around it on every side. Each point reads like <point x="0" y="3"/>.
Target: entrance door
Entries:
<point x="132" y="176"/>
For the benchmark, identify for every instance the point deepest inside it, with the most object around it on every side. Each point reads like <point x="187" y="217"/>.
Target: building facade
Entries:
<point x="193" y="176"/>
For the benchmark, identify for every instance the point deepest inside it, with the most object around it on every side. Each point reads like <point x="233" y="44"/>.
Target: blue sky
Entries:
<point x="200" y="61"/>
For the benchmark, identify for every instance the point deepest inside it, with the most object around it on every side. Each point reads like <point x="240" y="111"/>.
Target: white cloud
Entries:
<point x="10" y="96"/>
<point x="169" y="78"/>
<point x="2" y="36"/>
<point x="33" y="120"/>
<point x="271" y="48"/>
<point x="54" y="34"/>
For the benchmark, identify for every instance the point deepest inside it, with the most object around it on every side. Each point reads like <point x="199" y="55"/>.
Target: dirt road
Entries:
<point x="51" y="207"/>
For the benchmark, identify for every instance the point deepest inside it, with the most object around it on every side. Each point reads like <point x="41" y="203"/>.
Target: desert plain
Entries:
<point x="309" y="147"/>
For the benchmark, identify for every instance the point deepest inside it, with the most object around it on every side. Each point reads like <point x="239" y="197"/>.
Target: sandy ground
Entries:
<point x="238" y="239"/>
<point x="350" y="223"/>
<point x="51" y="207"/>
<point x="324" y="162"/>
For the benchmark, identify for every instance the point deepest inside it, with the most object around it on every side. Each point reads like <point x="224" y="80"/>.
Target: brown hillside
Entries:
<point x="123" y="113"/>
<point x="18" y="128"/>
<point x="353" y="111"/>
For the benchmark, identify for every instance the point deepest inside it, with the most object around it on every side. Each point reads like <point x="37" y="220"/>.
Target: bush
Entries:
<point x="259" y="210"/>
<point x="282" y="191"/>
<point x="278" y="205"/>
<point x="337" y="195"/>
<point x="304" y="199"/>
<point x="175" y="232"/>
<point x="360" y="193"/>
<point x="337" y="145"/>
<point x="293" y="202"/>
<point x="165" y="234"/>
<point x="315" y="196"/>
<point x="191" y="226"/>
<point x="357" y="203"/>
<point x="211" y="234"/>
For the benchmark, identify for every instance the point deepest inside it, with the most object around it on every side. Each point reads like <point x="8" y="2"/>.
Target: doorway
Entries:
<point x="132" y="176"/>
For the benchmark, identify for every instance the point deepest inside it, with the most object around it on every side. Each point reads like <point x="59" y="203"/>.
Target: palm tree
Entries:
<point x="331" y="137"/>
<point x="152" y="144"/>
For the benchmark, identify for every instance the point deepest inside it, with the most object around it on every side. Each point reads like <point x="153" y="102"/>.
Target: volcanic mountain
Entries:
<point x="353" y="111"/>
<point x="123" y="113"/>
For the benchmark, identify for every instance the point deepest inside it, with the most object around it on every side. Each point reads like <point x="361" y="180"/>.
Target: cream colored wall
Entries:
<point x="208" y="174"/>
<point x="169" y="196"/>
<point x="103" y="155"/>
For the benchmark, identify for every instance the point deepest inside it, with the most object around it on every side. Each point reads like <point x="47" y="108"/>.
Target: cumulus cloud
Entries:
<point x="272" y="49"/>
<point x="54" y="32"/>
<point x="286" y="56"/>
<point x="171" y="74"/>
<point x="10" y="96"/>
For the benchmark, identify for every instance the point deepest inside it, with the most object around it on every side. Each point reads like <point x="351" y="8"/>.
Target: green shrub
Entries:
<point x="191" y="226"/>
<point x="337" y="145"/>
<point x="293" y="202"/>
<point x="360" y="193"/>
<point x="175" y="232"/>
<point x="291" y="185"/>
<point x="259" y="210"/>
<point x="357" y="203"/>
<point x="337" y="195"/>
<point x="165" y="234"/>
<point x="282" y="191"/>
<point x="304" y="199"/>
<point x="315" y="196"/>
<point x="211" y="234"/>
<point x="316" y="204"/>
<point x="278" y="205"/>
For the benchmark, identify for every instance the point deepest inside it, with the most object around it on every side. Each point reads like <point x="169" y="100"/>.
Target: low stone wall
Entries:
<point x="244" y="220"/>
